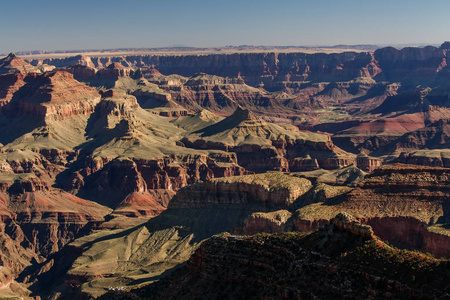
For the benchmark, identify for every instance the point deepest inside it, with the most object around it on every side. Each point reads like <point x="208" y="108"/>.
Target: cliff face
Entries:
<point x="413" y="197"/>
<point x="254" y="67"/>
<point x="270" y="202"/>
<point x="9" y="84"/>
<point x="411" y="64"/>
<point x="410" y="233"/>
<point x="144" y="175"/>
<point x="270" y="190"/>
<point x="293" y="87"/>
<point x="408" y="64"/>
<point x="431" y="158"/>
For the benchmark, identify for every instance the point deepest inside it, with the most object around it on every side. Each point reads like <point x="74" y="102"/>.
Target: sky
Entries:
<point x="98" y="24"/>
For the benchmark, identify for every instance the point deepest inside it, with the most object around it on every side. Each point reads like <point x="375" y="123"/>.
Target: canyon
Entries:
<point x="122" y="172"/>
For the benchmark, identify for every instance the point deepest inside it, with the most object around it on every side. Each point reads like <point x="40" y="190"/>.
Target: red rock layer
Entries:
<point x="53" y="96"/>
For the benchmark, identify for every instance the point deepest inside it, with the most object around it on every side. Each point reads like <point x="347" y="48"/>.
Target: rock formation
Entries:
<point x="12" y="64"/>
<point x="262" y="146"/>
<point x="345" y="255"/>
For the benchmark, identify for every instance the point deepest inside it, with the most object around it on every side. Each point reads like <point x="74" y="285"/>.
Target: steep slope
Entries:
<point x="38" y="220"/>
<point x="344" y="259"/>
<point x="118" y="140"/>
<point x="146" y="252"/>
<point x="197" y="121"/>
<point x="253" y="67"/>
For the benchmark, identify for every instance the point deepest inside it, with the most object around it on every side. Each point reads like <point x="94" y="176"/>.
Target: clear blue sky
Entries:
<point x="81" y="24"/>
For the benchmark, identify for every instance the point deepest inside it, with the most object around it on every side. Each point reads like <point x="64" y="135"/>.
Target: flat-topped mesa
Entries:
<point x="206" y="79"/>
<point x="215" y="93"/>
<point x="116" y="71"/>
<point x="83" y="60"/>
<point x="81" y="67"/>
<point x="82" y="72"/>
<point x="15" y="64"/>
<point x="53" y="96"/>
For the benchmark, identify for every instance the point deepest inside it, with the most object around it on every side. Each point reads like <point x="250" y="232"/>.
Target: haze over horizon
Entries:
<point x="56" y="25"/>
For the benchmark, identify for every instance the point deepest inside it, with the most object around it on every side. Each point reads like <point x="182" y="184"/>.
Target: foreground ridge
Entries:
<point x="343" y="259"/>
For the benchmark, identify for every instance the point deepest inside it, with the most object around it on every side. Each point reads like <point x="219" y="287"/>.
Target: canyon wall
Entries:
<point x="386" y="64"/>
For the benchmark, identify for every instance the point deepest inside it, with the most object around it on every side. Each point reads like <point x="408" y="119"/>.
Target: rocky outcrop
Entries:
<point x="269" y="222"/>
<point x="346" y="255"/>
<point x="115" y="71"/>
<point x="366" y="163"/>
<point x="52" y="96"/>
<point x="82" y="72"/>
<point x="411" y="64"/>
<point x="120" y="178"/>
<point x="217" y="94"/>
<point x="430" y="158"/>
<point x="38" y="220"/>
<point x="404" y="190"/>
<point x="408" y="64"/>
<point x="410" y="233"/>
<point x="13" y="64"/>
<point x="10" y="84"/>
<point x="267" y="191"/>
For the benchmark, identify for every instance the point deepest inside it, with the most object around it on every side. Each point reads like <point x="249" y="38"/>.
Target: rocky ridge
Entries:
<point x="348" y="258"/>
